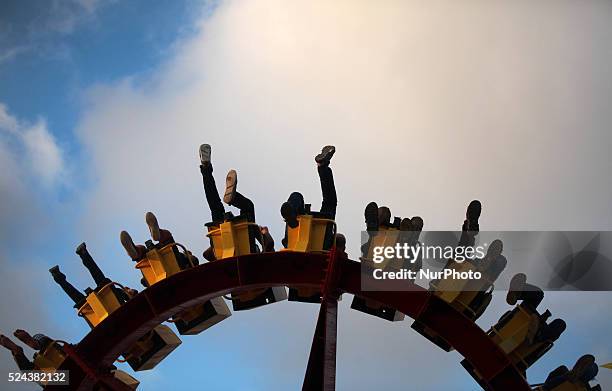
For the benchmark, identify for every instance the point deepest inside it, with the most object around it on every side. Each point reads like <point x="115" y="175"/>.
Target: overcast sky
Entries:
<point x="103" y="106"/>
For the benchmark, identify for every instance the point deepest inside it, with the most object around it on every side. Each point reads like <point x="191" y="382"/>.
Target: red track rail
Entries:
<point x="103" y="345"/>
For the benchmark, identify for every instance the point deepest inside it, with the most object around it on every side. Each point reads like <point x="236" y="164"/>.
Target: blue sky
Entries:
<point x="104" y="103"/>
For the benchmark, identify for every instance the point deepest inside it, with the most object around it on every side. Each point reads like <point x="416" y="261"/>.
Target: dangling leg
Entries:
<point x="91" y="265"/>
<point x="210" y="188"/>
<point x="519" y="289"/>
<point x="60" y="278"/>
<point x="162" y="236"/>
<point x="326" y="177"/>
<point x="27" y="339"/>
<point x="17" y="351"/>
<point x="234" y="198"/>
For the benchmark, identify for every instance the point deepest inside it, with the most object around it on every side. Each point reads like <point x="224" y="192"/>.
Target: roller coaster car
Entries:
<point x="470" y="297"/>
<point x="50" y="359"/>
<point x="150" y="349"/>
<point x="162" y="263"/>
<point x="569" y="385"/>
<point x="515" y="335"/>
<point x="314" y="233"/>
<point x="234" y="237"/>
<point x="126" y="378"/>
<point x="372" y="307"/>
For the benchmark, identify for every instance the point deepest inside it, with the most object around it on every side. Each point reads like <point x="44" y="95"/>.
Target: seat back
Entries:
<point x="312" y="234"/>
<point x="232" y="238"/>
<point x="513" y="333"/>
<point x="160" y="263"/>
<point x="50" y="359"/>
<point x="99" y="304"/>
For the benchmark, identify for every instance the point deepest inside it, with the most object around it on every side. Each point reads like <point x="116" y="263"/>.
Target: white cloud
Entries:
<point x="31" y="146"/>
<point x="429" y="106"/>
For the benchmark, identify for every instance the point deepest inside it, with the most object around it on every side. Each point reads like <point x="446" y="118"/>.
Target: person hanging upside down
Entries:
<point x="294" y="206"/>
<point x="582" y="373"/>
<point x="100" y="279"/>
<point x="231" y="197"/>
<point x="38" y="342"/>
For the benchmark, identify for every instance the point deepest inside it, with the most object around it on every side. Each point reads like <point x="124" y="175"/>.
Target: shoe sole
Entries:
<point x="326" y="154"/>
<point x="128" y="244"/>
<point x="151" y="221"/>
<point x="205" y="153"/>
<point x="231" y="181"/>
<point x="516" y="285"/>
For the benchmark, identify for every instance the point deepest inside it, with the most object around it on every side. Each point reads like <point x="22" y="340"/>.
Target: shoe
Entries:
<point x="406" y="224"/>
<point x="417" y="223"/>
<point x="371" y="216"/>
<point x="340" y="242"/>
<point x="231" y="181"/>
<point x="495" y="249"/>
<point x="517" y="284"/>
<point x="55" y="272"/>
<point x="473" y="214"/>
<point x="151" y="221"/>
<point x="384" y="215"/>
<point x="205" y="154"/>
<point x="289" y="214"/>
<point x="581" y="367"/>
<point x="128" y="245"/>
<point x="81" y="248"/>
<point x="326" y="154"/>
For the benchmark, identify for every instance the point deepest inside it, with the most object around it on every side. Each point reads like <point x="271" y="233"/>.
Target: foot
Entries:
<point x="325" y="156"/>
<point x="340" y="242"/>
<point x="384" y="215"/>
<point x="406" y="224"/>
<point x="56" y="273"/>
<point x="205" y="154"/>
<point x="473" y="214"/>
<point x="289" y="214"/>
<point x="81" y="248"/>
<point x="417" y="223"/>
<point x="10" y="345"/>
<point x="153" y="226"/>
<point x="517" y="285"/>
<point x="582" y="366"/>
<point x="495" y="249"/>
<point x="231" y="181"/>
<point x="128" y="245"/>
<point x="371" y="216"/>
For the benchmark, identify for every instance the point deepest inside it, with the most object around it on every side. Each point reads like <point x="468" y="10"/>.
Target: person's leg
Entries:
<point x="136" y="252"/>
<point x="552" y="331"/>
<point x="91" y="265"/>
<point x="210" y="188"/>
<point x="71" y="291"/>
<point x="234" y="198"/>
<point x="162" y="236"/>
<point x="326" y="177"/>
<point x="268" y="241"/>
<point x="17" y="351"/>
<point x="27" y="339"/>
<point x="519" y="289"/>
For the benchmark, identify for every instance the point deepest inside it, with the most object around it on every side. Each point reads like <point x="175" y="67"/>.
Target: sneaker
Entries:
<point x="81" y="248"/>
<point x="231" y="181"/>
<point x="371" y="216"/>
<point x="495" y="249"/>
<point x="406" y="224"/>
<point x="128" y="245"/>
<point x="289" y="214"/>
<point x="517" y="284"/>
<point x="55" y="272"/>
<point x="326" y="154"/>
<point x="151" y="221"/>
<point x="417" y="223"/>
<point x="581" y="367"/>
<point x="205" y="154"/>
<point x="473" y="214"/>
<point x="384" y="215"/>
